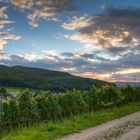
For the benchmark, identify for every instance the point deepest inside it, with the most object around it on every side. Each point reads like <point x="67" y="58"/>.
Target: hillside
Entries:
<point x="18" y="76"/>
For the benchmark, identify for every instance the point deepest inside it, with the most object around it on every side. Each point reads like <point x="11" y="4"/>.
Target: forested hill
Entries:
<point x="18" y="76"/>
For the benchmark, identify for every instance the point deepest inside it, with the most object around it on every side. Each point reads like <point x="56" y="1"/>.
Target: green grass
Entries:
<point x="71" y="125"/>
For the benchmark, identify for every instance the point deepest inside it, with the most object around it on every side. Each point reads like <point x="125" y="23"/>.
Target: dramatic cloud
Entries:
<point x="114" y="34"/>
<point x="2" y="10"/>
<point x="46" y="9"/>
<point x="110" y="39"/>
<point x="77" y="22"/>
<point x="118" y="50"/>
<point x="116" y="30"/>
<point x="87" y="65"/>
<point x="4" y="36"/>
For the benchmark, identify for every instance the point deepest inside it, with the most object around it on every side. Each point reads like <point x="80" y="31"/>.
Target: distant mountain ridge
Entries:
<point x="121" y="84"/>
<point x="19" y="76"/>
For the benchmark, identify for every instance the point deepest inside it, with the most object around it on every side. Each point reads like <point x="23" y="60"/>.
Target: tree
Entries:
<point x="129" y="93"/>
<point x="2" y="94"/>
<point x="41" y="105"/>
<point x="109" y="94"/>
<point x="25" y="108"/>
<point x="13" y="113"/>
<point x="64" y="102"/>
<point x="53" y="108"/>
<point x="93" y="99"/>
<point x="5" y="116"/>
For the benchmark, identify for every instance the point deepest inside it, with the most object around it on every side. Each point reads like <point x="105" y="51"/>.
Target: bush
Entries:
<point x="28" y="109"/>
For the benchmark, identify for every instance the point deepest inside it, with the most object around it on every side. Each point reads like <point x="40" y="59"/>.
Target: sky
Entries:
<point x="98" y="39"/>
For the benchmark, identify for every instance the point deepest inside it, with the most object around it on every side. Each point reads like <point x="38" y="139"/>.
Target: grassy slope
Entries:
<point x="71" y="125"/>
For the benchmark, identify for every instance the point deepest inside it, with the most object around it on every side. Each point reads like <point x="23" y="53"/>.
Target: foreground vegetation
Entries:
<point x="39" y="110"/>
<point x="70" y="125"/>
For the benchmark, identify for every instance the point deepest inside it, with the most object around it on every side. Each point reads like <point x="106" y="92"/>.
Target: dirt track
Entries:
<point x="125" y="128"/>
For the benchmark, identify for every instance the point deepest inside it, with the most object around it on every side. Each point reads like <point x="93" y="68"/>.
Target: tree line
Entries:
<point x="29" y="109"/>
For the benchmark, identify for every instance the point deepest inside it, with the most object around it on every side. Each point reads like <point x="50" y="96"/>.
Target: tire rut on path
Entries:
<point x="134" y="134"/>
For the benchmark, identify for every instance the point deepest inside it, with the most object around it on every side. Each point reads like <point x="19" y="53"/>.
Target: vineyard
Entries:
<point x="28" y="109"/>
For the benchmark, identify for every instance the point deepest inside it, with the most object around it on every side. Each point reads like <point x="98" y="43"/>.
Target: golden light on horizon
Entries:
<point x="96" y="76"/>
<point x="126" y="33"/>
<point x="129" y="71"/>
<point x="109" y="76"/>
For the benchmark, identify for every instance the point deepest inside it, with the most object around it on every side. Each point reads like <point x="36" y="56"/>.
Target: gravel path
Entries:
<point x="100" y="132"/>
<point x="134" y="134"/>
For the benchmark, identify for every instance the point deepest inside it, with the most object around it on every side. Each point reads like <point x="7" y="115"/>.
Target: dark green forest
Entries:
<point x="28" y="109"/>
<point x="35" y="78"/>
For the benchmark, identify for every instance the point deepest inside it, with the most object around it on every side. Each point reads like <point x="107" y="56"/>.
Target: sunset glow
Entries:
<point x="98" y="39"/>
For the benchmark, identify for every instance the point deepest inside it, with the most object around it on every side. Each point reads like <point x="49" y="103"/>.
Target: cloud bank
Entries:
<point x="111" y="40"/>
<point x="46" y="9"/>
<point x="4" y="36"/>
<point x="85" y="64"/>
